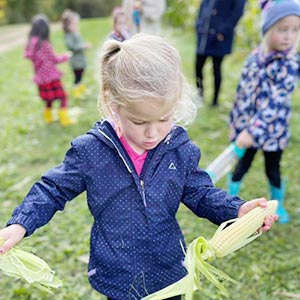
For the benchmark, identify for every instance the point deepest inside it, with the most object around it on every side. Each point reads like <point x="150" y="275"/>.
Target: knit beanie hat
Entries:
<point x="274" y="10"/>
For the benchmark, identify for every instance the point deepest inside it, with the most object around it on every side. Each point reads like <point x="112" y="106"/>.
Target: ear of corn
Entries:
<point x="21" y="264"/>
<point x="227" y="239"/>
<point x="242" y="231"/>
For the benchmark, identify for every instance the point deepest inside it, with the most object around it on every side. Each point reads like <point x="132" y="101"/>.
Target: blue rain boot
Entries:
<point x="233" y="187"/>
<point x="278" y="194"/>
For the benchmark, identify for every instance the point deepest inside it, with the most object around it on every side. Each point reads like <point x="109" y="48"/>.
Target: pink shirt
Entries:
<point x="137" y="159"/>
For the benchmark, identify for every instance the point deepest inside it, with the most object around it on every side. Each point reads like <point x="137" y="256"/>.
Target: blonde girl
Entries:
<point x="260" y="117"/>
<point x="137" y="166"/>
<point x="75" y="43"/>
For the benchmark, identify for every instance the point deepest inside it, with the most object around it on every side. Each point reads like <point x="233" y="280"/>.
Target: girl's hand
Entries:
<point x="87" y="45"/>
<point x="262" y="202"/>
<point x="68" y="54"/>
<point x="244" y="139"/>
<point x="12" y="235"/>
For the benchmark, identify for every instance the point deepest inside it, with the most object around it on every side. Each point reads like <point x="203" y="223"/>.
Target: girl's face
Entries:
<point x="74" y="25"/>
<point x="120" y="24"/>
<point x="146" y="123"/>
<point x="284" y="34"/>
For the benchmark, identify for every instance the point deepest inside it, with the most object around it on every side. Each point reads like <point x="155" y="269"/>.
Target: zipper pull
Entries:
<point x="143" y="192"/>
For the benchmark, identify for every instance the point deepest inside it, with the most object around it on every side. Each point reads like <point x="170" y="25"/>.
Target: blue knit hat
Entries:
<point x="274" y="10"/>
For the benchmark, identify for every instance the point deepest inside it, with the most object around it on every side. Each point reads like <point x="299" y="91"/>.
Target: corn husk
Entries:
<point x="229" y="237"/>
<point x="29" y="267"/>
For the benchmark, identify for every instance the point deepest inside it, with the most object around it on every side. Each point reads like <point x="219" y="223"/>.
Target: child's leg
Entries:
<point x="242" y="167"/>
<point x="272" y="167"/>
<point x="277" y="186"/>
<point x="78" y="76"/>
<point x="44" y="94"/>
<point x="217" y="66"/>
<point x="48" y="112"/>
<point x="200" y="61"/>
<point x="79" y="88"/>
<point x="63" y="112"/>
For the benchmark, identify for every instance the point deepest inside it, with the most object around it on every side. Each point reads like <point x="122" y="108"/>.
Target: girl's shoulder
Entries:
<point x="97" y="136"/>
<point x="180" y="140"/>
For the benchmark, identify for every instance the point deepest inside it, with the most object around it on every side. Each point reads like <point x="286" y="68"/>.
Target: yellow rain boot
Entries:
<point x="82" y="88"/>
<point x="48" y="115"/>
<point x="77" y="92"/>
<point x="64" y="118"/>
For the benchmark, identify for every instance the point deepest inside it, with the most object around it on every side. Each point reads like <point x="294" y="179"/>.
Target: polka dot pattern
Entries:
<point x="44" y="61"/>
<point x="135" y="238"/>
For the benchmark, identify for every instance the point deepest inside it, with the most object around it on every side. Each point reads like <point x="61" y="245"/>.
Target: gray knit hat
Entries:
<point x="274" y="10"/>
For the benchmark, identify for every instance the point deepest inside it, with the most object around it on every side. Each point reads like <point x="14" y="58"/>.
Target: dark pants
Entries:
<point x="172" y="298"/>
<point x="217" y="63"/>
<point x="272" y="166"/>
<point x="78" y="75"/>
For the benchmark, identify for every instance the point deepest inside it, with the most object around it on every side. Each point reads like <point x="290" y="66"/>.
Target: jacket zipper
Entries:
<point x="142" y="182"/>
<point x="143" y="192"/>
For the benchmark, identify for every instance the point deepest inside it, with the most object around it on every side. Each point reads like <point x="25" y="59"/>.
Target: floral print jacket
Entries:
<point x="263" y="100"/>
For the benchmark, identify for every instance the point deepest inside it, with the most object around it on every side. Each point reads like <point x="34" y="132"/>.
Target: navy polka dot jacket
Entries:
<point x="135" y="238"/>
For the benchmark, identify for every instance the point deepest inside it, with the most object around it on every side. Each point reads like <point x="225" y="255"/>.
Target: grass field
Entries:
<point x="267" y="269"/>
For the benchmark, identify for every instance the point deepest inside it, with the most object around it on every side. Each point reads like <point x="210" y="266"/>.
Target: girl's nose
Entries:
<point x="150" y="131"/>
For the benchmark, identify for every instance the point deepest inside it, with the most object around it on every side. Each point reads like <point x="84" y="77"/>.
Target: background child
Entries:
<point x="150" y="15"/>
<point x="47" y="76"/>
<point x="260" y="117"/>
<point x="136" y="166"/>
<point x="120" y="31"/>
<point x="136" y="15"/>
<point x="215" y="25"/>
<point x="75" y="43"/>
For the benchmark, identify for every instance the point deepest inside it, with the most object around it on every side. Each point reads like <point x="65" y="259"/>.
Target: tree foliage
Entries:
<point x="182" y="14"/>
<point x="3" y="4"/>
<point x="18" y="11"/>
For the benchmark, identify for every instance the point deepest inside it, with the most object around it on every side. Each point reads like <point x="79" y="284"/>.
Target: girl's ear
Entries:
<point x="107" y="99"/>
<point x="114" y="107"/>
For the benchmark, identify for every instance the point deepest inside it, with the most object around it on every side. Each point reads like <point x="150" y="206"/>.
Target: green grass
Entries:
<point x="265" y="269"/>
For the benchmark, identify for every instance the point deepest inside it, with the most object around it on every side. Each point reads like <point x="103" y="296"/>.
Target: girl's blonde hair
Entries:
<point x="67" y="17"/>
<point x="144" y="67"/>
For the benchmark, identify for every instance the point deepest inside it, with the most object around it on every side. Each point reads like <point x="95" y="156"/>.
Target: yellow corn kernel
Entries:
<point x="242" y="230"/>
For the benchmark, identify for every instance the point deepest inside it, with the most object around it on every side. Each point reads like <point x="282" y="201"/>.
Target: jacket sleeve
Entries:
<point x="51" y="56"/>
<point x="230" y="21"/>
<point x="30" y="47"/>
<point x="205" y="200"/>
<point x="237" y="11"/>
<point x="50" y="194"/>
